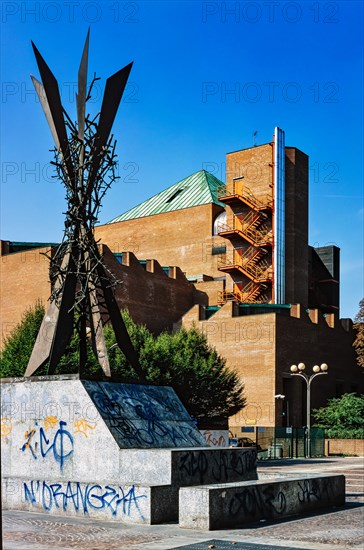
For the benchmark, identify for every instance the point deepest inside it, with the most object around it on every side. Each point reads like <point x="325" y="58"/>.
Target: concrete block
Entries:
<point x="182" y="467"/>
<point x="55" y="432"/>
<point x="213" y="465"/>
<point x="233" y="504"/>
<point x="125" y="503"/>
<point x="63" y="428"/>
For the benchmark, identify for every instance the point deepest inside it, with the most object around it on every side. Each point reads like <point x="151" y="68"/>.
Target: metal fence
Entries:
<point x="288" y="442"/>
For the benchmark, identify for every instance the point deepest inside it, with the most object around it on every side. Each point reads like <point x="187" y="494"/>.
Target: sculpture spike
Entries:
<point x="43" y="345"/>
<point x="82" y="84"/>
<point x="39" y="88"/>
<point x="51" y="90"/>
<point x="114" y="89"/>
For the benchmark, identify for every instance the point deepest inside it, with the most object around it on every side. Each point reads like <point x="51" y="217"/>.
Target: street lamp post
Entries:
<point x="297" y="370"/>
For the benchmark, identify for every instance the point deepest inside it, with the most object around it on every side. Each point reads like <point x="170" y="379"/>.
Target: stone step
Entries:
<point x="184" y="467"/>
<point x="144" y="489"/>
<point x="122" y="502"/>
<point x="233" y="504"/>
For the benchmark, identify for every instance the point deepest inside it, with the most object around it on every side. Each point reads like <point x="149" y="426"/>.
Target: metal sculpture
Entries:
<point x="83" y="288"/>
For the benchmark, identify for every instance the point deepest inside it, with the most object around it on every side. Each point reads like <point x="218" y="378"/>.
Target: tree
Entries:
<point x="19" y="344"/>
<point x="183" y="360"/>
<point x="196" y="371"/>
<point x="342" y="417"/>
<point x="359" y="340"/>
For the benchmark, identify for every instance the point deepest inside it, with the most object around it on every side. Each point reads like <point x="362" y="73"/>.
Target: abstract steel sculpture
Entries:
<point x="83" y="288"/>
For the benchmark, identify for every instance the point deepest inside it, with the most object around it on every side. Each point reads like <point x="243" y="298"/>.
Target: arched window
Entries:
<point x="219" y="222"/>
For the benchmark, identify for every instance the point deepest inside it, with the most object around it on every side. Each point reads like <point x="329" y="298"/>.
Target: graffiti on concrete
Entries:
<point x="138" y="419"/>
<point x="83" y="498"/>
<point x="253" y="501"/>
<point x="39" y="443"/>
<point x="216" y="438"/>
<point x="271" y="501"/>
<point x="50" y="422"/>
<point x="6" y="427"/>
<point x="317" y="490"/>
<point x="239" y="463"/>
<point x="311" y="490"/>
<point x="217" y="466"/>
<point x="194" y="464"/>
<point x="82" y="426"/>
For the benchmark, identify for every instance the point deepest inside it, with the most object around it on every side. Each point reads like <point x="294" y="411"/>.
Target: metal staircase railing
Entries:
<point x="251" y="293"/>
<point x="253" y="219"/>
<point x="239" y="189"/>
<point x="256" y="272"/>
<point x="253" y="255"/>
<point x="258" y="237"/>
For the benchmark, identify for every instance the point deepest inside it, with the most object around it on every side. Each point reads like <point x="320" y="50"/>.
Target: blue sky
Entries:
<point x="206" y="75"/>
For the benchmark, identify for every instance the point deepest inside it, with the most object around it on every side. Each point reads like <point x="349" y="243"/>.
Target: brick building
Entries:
<point x="234" y="260"/>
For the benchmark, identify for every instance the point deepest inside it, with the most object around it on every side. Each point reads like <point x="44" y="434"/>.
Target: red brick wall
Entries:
<point x="24" y="279"/>
<point x="344" y="446"/>
<point x="255" y="164"/>
<point x="183" y="238"/>
<point x="261" y="348"/>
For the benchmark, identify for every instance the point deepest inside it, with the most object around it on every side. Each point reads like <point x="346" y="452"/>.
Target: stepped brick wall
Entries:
<point x="154" y="297"/>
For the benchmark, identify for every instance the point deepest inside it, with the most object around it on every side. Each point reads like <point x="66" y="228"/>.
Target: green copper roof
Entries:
<point x="200" y="188"/>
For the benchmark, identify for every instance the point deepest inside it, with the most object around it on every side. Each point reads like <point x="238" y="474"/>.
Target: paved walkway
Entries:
<point x="352" y="468"/>
<point x="339" y="529"/>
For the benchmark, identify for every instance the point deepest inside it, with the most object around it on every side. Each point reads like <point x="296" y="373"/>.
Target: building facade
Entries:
<point x="233" y="259"/>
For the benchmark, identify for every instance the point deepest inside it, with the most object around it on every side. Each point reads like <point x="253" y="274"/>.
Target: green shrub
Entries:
<point x="343" y="417"/>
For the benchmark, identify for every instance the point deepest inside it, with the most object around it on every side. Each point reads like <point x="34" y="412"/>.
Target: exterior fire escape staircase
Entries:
<point x="251" y="294"/>
<point x="255" y="231"/>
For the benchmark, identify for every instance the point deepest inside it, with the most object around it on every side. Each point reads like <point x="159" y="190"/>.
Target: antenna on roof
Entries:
<point x="254" y="138"/>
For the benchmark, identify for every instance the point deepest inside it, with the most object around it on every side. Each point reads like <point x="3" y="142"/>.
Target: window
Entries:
<point x="175" y="194"/>
<point x="218" y="250"/>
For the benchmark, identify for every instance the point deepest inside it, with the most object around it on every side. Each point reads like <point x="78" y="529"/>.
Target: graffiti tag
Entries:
<point x="309" y="490"/>
<point x="6" y="427"/>
<point x="218" y="466"/>
<point x="117" y="500"/>
<point x="60" y="445"/>
<point x="251" y="502"/>
<point x="215" y="438"/>
<point x="81" y="425"/>
<point x="153" y="430"/>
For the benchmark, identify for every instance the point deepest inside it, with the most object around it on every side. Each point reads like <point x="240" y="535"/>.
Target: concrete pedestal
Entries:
<point x="132" y="453"/>
<point x="109" y="450"/>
